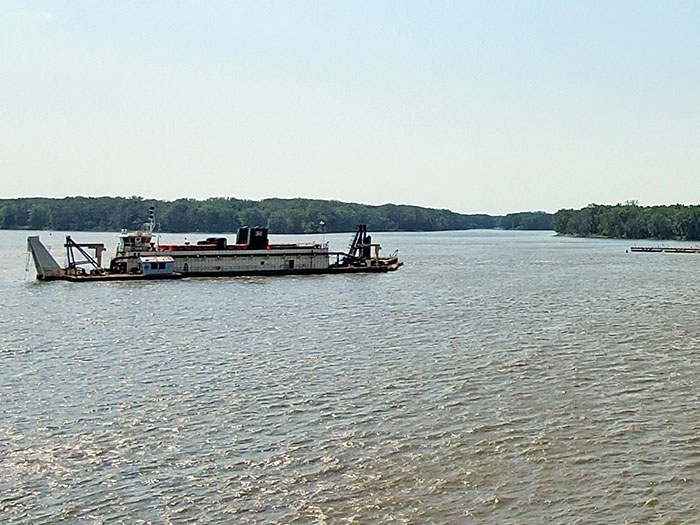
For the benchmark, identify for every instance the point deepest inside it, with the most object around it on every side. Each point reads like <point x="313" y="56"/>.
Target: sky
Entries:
<point x="478" y="107"/>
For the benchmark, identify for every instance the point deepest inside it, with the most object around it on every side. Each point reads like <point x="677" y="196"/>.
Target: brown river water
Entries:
<point x="498" y="377"/>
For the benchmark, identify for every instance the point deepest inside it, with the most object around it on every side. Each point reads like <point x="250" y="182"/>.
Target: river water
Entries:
<point x="498" y="377"/>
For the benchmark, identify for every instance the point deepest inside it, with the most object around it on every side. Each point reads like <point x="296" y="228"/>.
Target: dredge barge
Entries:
<point x="139" y="257"/>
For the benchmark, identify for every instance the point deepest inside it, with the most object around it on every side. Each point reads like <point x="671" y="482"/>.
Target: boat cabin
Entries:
<point x="156" y="265"/>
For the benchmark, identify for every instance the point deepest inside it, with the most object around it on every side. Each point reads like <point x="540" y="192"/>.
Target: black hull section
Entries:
<point x="319" y="271"/>
<point x="383" y="268"/>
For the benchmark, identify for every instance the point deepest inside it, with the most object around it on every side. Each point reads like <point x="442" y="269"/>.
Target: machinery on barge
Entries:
<point x="140" y="256"/>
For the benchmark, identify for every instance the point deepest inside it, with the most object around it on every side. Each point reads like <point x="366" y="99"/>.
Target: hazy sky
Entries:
<point x="474" y="106"/>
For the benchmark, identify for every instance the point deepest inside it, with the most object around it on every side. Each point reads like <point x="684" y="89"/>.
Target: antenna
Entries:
<point x="158" y="236"/>
<point x="151" y="224"/>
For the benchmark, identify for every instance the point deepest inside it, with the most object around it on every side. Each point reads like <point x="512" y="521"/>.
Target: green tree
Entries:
<point x="39" y="217"/>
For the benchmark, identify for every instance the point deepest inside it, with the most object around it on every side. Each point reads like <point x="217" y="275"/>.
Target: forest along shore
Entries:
<point x="229" y="214"/>
<point x="630" y="221"/>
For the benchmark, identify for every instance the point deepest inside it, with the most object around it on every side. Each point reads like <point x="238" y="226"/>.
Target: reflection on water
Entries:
<point x="496" y="378"/>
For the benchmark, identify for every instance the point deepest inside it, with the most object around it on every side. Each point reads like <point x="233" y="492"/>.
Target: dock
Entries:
<point x="665" y="249"/>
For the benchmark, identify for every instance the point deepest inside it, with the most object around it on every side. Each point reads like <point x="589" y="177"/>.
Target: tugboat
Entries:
<point x="139" y="256"/>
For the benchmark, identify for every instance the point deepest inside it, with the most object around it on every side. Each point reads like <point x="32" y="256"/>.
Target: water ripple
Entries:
<point x="497" y="378"/>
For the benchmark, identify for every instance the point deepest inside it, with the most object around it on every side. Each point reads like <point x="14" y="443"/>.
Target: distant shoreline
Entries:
<point x="678" y="222"/>
<point x="282" y="216"/>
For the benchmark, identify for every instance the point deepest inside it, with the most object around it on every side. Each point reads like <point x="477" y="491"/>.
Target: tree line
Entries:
<point x="228" y="214"/>
<point x="630" y="221"/>
<point x="527" y="220"/>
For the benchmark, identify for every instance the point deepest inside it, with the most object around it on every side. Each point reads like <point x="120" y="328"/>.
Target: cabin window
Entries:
<point x="290" y="264"/>
<point x="262" y="262"/>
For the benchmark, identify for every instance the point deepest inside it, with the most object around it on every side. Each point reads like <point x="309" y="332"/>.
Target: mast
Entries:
<point x="149" y="226"/>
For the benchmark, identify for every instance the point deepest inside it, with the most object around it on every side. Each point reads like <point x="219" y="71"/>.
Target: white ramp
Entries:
<point x="46" y="265"/>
